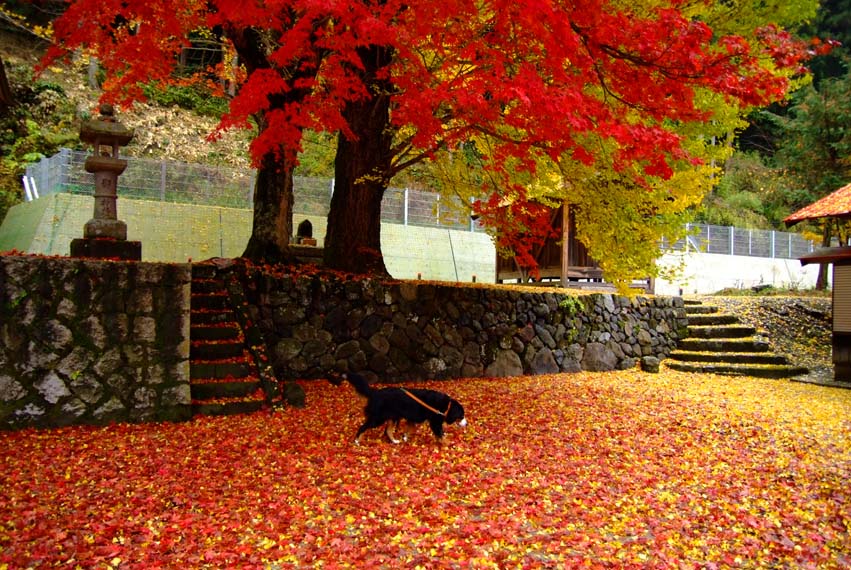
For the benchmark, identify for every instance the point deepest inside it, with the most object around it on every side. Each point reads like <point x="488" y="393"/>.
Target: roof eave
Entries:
<point x="828" y="255"/>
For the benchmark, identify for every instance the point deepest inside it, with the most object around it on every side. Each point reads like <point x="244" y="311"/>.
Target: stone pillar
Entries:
<point x="105" y="236"/>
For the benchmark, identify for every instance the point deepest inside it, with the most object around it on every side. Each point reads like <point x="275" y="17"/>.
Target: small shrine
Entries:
<point x="105" y="236"/>
<point x="834" y="205"/>
<point x="304" y="235"/>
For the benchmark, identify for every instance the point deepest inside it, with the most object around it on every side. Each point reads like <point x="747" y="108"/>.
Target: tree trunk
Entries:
<point x="272" y="225"/>
<point x="7" y="98"/>
<point x="821" y="280"/>
<point x="93" y="73"/>
<point x="362" y="172"/>
<point x="273" y="212"/>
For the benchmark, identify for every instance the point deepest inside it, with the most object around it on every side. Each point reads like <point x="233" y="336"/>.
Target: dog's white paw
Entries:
<point x="463" y="423"/>
<point x="392" y="440"/>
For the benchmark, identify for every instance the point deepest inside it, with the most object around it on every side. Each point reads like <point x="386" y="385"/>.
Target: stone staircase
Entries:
<point x="224" y="375"/>
<point x="719" y="344"/>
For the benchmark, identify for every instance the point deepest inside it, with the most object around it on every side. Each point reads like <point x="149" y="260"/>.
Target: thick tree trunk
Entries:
<point x="362" y="167"/>
<point x="273" y="212"/>
<point x="272" y="225"/>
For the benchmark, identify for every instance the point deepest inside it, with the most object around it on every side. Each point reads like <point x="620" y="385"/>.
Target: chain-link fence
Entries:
<point x="728" y="240"/>
<point x="185" y="183"/>
<point x="180" y="182"/>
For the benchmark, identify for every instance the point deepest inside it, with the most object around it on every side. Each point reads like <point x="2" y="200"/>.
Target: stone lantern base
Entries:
<point x="105" y="248"/>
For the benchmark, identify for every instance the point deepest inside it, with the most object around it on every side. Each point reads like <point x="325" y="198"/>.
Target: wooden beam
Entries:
<point x="565" y="243"/>
<point x="838" y="255"/>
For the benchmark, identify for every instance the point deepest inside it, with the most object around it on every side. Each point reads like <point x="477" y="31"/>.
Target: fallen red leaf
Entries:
<point x="585" y="470"/>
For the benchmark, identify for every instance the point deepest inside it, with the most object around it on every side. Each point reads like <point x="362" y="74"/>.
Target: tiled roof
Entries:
<point x="835" y="205"/>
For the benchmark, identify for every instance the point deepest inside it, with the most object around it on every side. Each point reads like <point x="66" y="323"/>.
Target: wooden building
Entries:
<point x="563" y="262"/>
<point x="835" y="205"/>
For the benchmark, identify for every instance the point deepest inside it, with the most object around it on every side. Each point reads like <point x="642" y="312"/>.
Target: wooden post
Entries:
<point x="565" y="242"/>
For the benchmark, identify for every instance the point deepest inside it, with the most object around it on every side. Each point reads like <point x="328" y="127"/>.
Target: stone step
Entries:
<point x="225" y="388"/>
<point x="224" y="331"/>
<point x="207" y="286"/>
<point x="700" y="309"/>
<point x="712" y="319"/>
<point x="207" y="301"/>
<point x="232" y="389"/>
<point x="723" y="345"/>
<point x="219" y="369"/>
<point x="756" y="370"/>
<point x="203" y="271"/>
<point x="227" y="408"/>
<point x="224" y="378"/>
<point x="212" y="316"/>
<point x="729" y="357"/>
<point x="721" y="332"/>
<point x="718" y="344"/>
<point x="215" y="350"/>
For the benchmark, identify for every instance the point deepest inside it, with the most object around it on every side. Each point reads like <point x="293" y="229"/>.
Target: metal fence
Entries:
<point x="180" y="182"/>
<point x="728" y="240"/>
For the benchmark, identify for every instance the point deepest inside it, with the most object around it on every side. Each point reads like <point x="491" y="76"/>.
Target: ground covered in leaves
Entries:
<point x="618" y="470"/>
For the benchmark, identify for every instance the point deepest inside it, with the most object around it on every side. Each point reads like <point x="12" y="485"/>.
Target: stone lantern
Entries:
<point x="105" y="236"/>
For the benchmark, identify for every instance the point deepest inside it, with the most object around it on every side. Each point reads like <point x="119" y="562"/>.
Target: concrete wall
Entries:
<point x="172" y="232"/>
<point x="705" y="273"/>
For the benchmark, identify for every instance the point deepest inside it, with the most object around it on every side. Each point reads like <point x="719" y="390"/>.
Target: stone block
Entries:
<point x="507" y="363"/>
<point x="650" y="364"/>
<point x="97" y="248"/>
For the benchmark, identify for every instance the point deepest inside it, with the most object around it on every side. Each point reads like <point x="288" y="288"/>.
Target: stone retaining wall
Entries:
<point x="96" y="342"/>
<point x="92" y="341"/>
<point x="315" y="323"/>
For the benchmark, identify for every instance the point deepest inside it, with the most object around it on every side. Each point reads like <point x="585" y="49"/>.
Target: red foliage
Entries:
<point x="524" y="226"/>
<point x="613" y="470"/>
<point x="531" y="73"/>
<point x="553" y="77"/>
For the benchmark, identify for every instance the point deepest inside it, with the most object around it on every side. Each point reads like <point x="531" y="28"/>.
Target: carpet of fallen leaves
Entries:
<point x="596" y="470"/>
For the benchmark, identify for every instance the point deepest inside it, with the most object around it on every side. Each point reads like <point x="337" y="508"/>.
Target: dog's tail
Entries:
<point x="360" y="384"/>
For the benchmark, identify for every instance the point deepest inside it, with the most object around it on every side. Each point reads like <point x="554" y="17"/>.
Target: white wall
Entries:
<point x="172" y="232"/>
<point x="702" y="273"/>
<point x="438" y="254"/>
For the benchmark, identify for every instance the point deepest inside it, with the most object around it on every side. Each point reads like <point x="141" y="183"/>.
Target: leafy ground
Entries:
<point x="620" y="469"/>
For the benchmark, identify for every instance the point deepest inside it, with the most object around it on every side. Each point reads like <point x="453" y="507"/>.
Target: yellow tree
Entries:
<point x="621" y="211"/>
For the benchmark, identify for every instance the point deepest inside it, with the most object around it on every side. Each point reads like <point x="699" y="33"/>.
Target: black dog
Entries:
<point x="413" y="405"/>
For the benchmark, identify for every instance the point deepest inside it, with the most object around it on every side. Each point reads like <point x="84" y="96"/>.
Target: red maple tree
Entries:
<point x="399" y="80"/>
